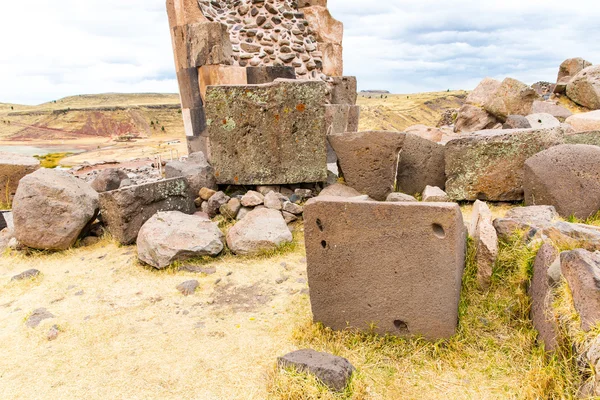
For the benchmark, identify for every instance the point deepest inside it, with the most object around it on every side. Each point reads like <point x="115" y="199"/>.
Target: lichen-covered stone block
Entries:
<point x="203" y="43"/>
<point x="268" y="134"/>
<point x="396" y="267"/>
<point x="213" y="75"/>
<point x="268" y="73"/>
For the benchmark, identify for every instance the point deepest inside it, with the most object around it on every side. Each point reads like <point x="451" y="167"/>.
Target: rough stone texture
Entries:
<point x="486" y="243"/>
<point x="566" y="177"/>
<point x="422" y="163"/>
<point x="341" y="118"/>
<point x="484" y="92"/>
<point x="489" y="165"/>
<point x="206" y="193"/>
<point x="516" y="122"/>
<point x="260" y="230"/>
<point x="209" y="75"/>
<point x="585" y="122"/>
<point x="214" y="204"/>
<point x="395" y="266"/>
<point x="174" y="236"/>
<point x="274" y="201"/>
<point x="252" y="199"/>
<point x="268" y="74"/>
<point x="52" y="208"/>
<point x="202" y="43"/>
<point x="569" y="235"/>
<point x="37" y="316"/>
<point x="231" y="209"/>
<point x="29" y="274"/>
<point x="527" y="219"/>
<point x="339" y="190"/>
<point x="551" y="108"/>
<point x="542" y="120"/>
<point x="109" y="179"/>
<point x="540" y="291"/>
<point x="433" y="194"/>
<point x="511" y="98"/>
<point x="400" y="197"/>
<point x="472" y="118"/>
<point x="124" y="211"/>
<point x="333" y="371"/>
<point x="426" y="132"/>
<point x="285" y="120"/>
<point x="344" y="90"/>
<point x="188" y="288"/>
<point x="584" y="88"/>
<point x="195" y="169"/>
<point x="369" y="160"/>
<point x="571" y="67"/>
<point x="581" y="270"/>
<point x="13" y="167"/>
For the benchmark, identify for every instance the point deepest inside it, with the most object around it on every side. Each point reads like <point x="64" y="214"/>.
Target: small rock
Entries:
<point x="53" y="333"/>
<point x="292" y="208"/>
<point x="289" y="217"/>
<point x="274" y="201"/>
<point x="434" y="194"/>
<point x="189" y="287"/>
<point x="252" y="199"/>
<point x="198" y="270"/>
<point x="400" y="198"/>
<point x="38" y="316"/>
<point x="31" y="273"/>
<point x="206" y="193"/>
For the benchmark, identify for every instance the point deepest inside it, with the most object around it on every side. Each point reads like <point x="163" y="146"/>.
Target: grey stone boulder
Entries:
<point x="581" y="270"/>
<point x="567" y="70"/>
<point x="421" y="163"/>
<point x="542" y="120"/>
<point x="252" y="199"/>
<point x="433" y="194"/>
<point x="188" y="288"/>
<point x="566" y="177"/>
<point x="400" y="198"/>
<point x="231" y="209"/>
<point x="473" y="118"/>
<point x="585" y="122"/>
<point x="215" y="203"/>
<point x="339" y="190"/>
<point x="196" y="169"/>
<point x="511" y="98"/>
<point x="52" y="208"/>
<point x="526" y="219"/>
<point x="109" y="179"/>
<point x="275" y="200"/>
<point x="124" y="211"/>
<point x="486" y="243"/>
<point x="335" y="372"/>
<point x="548" y="107"/>
<point x="174" y="236"/>
<point x="516" y="122"/>
<point x="584" y="88"/>
<point x="260" y="230"/>
<point x="29" y="274"/>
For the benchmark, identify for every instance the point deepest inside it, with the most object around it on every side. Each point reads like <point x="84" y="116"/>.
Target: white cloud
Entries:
<point x="55" y="48"/>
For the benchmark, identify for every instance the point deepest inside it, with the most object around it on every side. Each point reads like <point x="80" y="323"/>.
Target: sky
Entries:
<point x="55" y="48"/>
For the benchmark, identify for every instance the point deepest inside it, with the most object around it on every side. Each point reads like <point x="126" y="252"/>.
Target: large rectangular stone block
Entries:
<point x="124" y="211"/>
<point x="204" y="43"/>
<point x="194" y="121"/>
<point x="188" y="88"/>
<point x="395" y="266"/>
<point x="344" y="90"/>
<point x="268" y="134"/>
<point x="13" y="167"/>
<point x="421" y="164"/>
<point x="268" y="73"/>
<point x="213" y="75"/>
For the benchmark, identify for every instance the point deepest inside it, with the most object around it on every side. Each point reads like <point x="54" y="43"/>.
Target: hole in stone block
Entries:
<point x="324" y="244"/>
<point x="438" y="231"/>
<point x="320" y="224"/>
<point x="401" y="326"/>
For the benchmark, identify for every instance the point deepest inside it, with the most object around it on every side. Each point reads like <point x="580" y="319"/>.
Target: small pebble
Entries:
<point x="189" y="287"/>
<point x="53" y="333"/>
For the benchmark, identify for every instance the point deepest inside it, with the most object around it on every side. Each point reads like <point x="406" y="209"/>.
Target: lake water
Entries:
<point x="38" y="151"/>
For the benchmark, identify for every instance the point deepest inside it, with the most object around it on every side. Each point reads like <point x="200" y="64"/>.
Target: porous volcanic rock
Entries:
<point x="421" y="163"/>
<point x="196" y="169"/>
<point x="584" y="88"/>
<point x="260" y="230"/>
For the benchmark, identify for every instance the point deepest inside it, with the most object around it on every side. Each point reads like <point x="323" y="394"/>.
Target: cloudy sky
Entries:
<point x="55" y="48"/>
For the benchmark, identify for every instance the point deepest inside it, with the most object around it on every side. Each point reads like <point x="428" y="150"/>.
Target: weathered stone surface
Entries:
<point x="395" y="266"/>
<point x="275" y="136"/>
<point x="422" y="163"/>
<point x="527" y="219"/>
<point x="109" y="179"/>
<point x="540" y="291"/>
<point x="486" y="243"/>
<point x="585" y="122"/>
<point x="231" y="209"/>
<point x="37" y="316"/>
<point x="566" y="177"/>
<point x="584" y="88"/>
<point x="333" y="59"/>
<point x="214" y="204"/>
<point x="310" y="3"/>
<point x="333" y="371"/>
<point x="571" y="67"/>
<point x="489" y="165"/>
<point x="341" y="118"/>
<point x="13" y="167"/>
<point x="202" y="43"/>
<point x="581" y="269"/>
<point x="344" y="90"/>
<point x="29" y="274"/>
<point x="188" y="288"/>
<point x="206" y="193"/>
<point x="174" y="236"/>
<point x="339" y="190"/>
<point x="433" y="194"/>
<point x="551" y="108"/>
<point x="516" y="122"/>
<point x="369" y="160"/>
<point x="268" y="74"/>
<point x="484" y="92"/>
<point x="196" y="170"/>
<point x="209" y="75"/>
<point x="275" y="200"/>
<point x="566" y="234"/>
<point x="542" y="120"/>
<point x="51" y="209"/>
<point x="426" y="132"/>
<point x="124" y="211"/>
<point x="511" y="98"/>
<point x="400" y="197"/>
<point x="260" y="230"/>
<point x="327" y="28"/>
<point x="472" y="118"/>
<point x="252" y="199"/>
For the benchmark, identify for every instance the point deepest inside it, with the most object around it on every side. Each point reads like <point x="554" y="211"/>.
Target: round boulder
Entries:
<point x="109" y="179"/>
<point x="584" y="88"/>
<point x="585" y="122"/>
<point x="174" y="236"/>
<point x="51" y="208"/>
<point x="261" y="230"/>
<point x="566" y="177"/>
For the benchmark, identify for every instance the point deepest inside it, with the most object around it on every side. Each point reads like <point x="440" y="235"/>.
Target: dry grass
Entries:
<point x="130" y="334"/>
